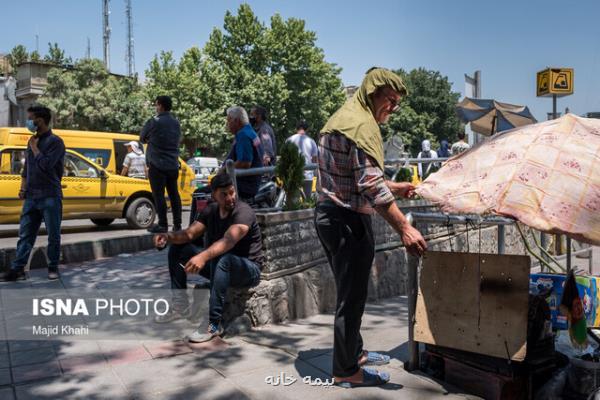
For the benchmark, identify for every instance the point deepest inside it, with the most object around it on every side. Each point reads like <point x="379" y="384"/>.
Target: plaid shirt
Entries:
<point x="349" y="177"/>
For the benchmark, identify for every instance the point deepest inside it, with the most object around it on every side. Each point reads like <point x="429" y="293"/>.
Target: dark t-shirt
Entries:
<point x="250" y="246"/>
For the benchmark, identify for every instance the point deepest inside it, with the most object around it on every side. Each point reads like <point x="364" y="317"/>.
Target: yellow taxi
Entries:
<point x="92" y="186"/>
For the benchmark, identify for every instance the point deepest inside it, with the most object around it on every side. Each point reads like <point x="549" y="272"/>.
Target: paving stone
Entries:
<point x="243" y="358"/>
<point x="74" y="348"/>
<point x="77" y="364"/>
<point x="217" y="389"/>
<point x="216" y="344"/>
<point x="24" y="345"/>
<point x="34" y="372"/>
<point x="7" y="393"/>
<point x="37" y="356"/>
<point x="100" y="385"/>
<point x="5" y="378"/>
<point x="152" y="376"/>
<point x="127" y="356"/>
<point x="254" y="382"/>
<point x="167" y="348"/>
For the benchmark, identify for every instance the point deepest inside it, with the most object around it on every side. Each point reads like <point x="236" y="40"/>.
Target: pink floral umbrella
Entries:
<point x="546" y="175"/>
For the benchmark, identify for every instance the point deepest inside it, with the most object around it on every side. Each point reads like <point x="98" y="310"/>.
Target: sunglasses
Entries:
<point x="393" y="103"/>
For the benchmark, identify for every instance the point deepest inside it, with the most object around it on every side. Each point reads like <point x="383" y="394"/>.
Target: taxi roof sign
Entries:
<point x="555" y="81"/>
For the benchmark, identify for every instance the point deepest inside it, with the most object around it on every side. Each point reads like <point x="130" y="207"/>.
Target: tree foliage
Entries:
<point x="428" y="112"/>
<point x="290" y="169"/>
<point x="87" y="97"/>
<point x="18" y="55"/>
<point x="56" y="55"/>
<point x="247" y="63"/>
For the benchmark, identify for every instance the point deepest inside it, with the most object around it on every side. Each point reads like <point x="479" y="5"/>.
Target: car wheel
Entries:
<point x="102" y="221"/>
<point x="140" y="214"/>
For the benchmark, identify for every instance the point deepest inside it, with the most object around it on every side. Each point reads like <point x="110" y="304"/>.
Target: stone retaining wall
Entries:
<point x="297" y="281"/>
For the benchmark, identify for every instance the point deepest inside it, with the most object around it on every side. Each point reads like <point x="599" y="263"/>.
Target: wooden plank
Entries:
<point x="474" y="302"/>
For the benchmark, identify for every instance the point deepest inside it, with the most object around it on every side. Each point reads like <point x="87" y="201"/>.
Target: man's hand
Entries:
<point x="160" y="240"/>
<point x="402" y="189"/>
<point x="413" y="241"/>
<point x="266" y="160"/>
<point x="195" y="264"/>
<point x="33" y="144"/>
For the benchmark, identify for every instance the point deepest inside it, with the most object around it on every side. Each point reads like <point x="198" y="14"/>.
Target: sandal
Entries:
<point x="374" y="358"/>
<point x="371" y="377"/>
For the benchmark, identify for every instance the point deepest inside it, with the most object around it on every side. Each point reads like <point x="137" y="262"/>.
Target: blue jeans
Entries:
<point x="35" y="211"/>
<point x="223" y="272"/>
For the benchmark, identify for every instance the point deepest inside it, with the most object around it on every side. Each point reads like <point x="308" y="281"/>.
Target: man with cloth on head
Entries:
<point x="351" y="186"/>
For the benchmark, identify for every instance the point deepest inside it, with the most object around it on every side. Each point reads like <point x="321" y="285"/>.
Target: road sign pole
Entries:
<point x="557" y="237"/>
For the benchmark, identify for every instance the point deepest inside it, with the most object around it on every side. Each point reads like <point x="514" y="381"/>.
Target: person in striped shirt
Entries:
<point x="352" y="187"/>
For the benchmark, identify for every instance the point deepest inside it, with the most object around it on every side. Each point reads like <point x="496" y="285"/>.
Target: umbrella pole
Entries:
<point x="568" y="254"/>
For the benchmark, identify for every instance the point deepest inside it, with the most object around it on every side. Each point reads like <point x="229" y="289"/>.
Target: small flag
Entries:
<point x="572" y="306"/>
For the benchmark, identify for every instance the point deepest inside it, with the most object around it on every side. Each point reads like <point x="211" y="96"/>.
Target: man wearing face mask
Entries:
<point x="41" y="190"/>
<point x="258" y="120"/>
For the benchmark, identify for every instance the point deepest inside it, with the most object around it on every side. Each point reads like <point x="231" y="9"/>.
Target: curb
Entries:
<point x="82" y="251"/>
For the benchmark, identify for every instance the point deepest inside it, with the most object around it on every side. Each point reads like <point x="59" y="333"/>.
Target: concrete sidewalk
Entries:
<point x="230" y="368"/>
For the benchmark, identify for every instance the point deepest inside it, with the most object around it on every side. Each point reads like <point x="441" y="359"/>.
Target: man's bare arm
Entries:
<point x="412" y="239"/>
<point x="191" y="233"/>
<point x="232" y="236"/>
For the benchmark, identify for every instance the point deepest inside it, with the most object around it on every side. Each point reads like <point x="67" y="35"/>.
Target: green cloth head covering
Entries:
<point x="355" y="118"/>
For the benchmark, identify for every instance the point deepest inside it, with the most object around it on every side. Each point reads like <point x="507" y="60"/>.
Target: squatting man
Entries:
<point x="232" y="256"/>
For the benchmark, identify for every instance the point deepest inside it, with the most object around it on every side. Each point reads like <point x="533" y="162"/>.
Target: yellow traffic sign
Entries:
<point x="555" y="81"/>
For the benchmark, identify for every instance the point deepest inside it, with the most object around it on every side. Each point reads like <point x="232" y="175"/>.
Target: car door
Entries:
<point x="85" y="191"/>
<point x="12" y="161"/>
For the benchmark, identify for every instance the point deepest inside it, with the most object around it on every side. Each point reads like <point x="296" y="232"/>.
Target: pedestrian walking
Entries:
<point x="308" y="148"/>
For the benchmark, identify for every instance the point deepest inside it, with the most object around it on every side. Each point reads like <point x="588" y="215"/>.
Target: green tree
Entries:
<point x="18" y="55"/>
<point x="35" y="56"/>
<point x="428" y="112"/>
<point x="87" y="97"/>
<point x="247" y="63"/>
<point x="56" y="55"/>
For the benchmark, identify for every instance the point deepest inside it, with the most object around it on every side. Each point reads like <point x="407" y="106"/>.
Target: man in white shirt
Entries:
<point x="426" y="168"/>
<point x="134" y="164"/>
<point x="308" y="148"/>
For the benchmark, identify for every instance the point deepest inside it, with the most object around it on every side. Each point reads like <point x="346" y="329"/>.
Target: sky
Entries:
<point x="508" y="41"/>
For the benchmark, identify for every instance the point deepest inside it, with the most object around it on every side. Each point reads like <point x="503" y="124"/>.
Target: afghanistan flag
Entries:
<point x="572" y="306"/>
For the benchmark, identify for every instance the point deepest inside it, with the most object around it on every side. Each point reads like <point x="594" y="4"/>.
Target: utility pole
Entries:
<point x="106" y="33"/>
<point x="88" y="50"/>
<point x="474" y="84"/>
<point x="130" y="57"/>
<point x="37" y="43"/>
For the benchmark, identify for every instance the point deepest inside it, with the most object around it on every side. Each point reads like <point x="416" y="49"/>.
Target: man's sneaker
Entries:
<point x="12" y="275"/>
<point x="158" y="229"/>
<point x="53" y="274"/>
<point x="212" y="331"/>
<point x="172" y="315"/>
<point x="176" y="228"/>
